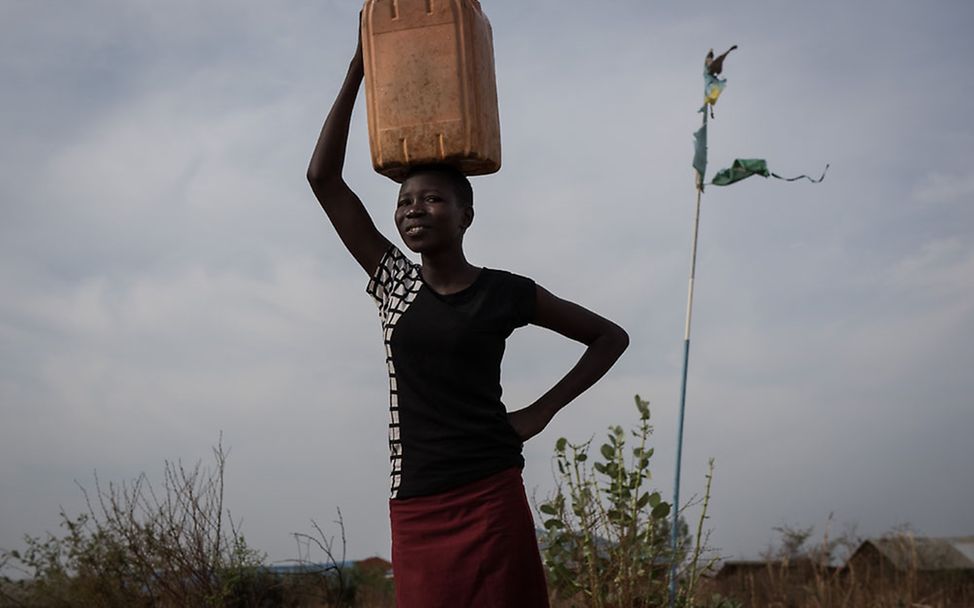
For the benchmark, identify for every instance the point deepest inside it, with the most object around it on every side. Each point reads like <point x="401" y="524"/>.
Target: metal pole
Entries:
<point x="683" y="400"/>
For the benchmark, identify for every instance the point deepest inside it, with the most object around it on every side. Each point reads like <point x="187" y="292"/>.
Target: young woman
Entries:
<point x="462" y="530"/>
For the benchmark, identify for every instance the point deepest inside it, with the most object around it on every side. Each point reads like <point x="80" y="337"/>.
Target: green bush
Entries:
<point x="607" y="533"/>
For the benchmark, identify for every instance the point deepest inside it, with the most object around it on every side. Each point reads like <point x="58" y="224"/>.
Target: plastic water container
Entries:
<point x="430" y="88"/>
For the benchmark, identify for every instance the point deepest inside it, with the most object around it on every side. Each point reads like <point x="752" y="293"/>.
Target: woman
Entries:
<point x="462" y="531"/>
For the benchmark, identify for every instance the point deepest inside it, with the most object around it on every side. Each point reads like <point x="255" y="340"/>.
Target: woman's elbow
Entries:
<point x="322" y="173"/>
<point x="623" y="339"/>
<point x="617" y="338"/>
<point x="323" y="184"/>
<point x="316" y="177"/>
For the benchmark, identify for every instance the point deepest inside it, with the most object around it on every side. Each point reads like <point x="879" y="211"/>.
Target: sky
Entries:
<point x="169" y="279"/>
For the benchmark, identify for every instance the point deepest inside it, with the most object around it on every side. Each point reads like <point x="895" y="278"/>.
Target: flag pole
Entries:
<point x="712" y="88"/>
<point x="675" y="528"/>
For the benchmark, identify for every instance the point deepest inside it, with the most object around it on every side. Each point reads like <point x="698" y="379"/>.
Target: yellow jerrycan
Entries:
<point x="430" y="89"/>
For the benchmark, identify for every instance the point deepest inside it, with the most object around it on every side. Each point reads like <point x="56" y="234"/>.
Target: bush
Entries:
<point x="141" y="546"/>
<point x="607" y="534"/>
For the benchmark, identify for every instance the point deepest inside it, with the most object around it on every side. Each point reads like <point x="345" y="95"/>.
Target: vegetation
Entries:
<point x="606" y="544"/>
<point x="137" y="546"/>
<point x="607" y="536"/>
<point x="172" y="546"/>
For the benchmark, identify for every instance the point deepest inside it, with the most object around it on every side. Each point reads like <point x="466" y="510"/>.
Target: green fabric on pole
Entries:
<point x="811" y="179"/>
<point x="740" y="169"/>
<point x="743" y="168"/>
<point x="700" y="150"/>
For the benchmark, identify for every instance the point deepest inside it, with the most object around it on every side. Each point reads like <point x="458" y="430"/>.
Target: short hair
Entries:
<point x="457" y="180"/>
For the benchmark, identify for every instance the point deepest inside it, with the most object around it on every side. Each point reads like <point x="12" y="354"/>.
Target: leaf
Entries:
<point x="560" y="444"/>
<point x="547" y="509"/>
<point x="643" y="407"/>
<point x="654" y="499"/>
<point x="553" y="523"/>
<point x="642" y="502"/>
<point x="582" y="457"/>
<point x="607" y="451"/>
<point x="661" y="510"/>
<point x="563" y="572"/>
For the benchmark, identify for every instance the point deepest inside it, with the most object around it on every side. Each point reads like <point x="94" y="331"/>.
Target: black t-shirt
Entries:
<point x="447" y="424"/>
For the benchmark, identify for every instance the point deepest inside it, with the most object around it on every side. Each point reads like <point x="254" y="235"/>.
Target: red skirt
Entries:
<point x="471" y="547"/>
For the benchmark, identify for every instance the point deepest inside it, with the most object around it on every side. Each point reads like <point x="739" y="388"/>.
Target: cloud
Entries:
<point x="941" y="188"/>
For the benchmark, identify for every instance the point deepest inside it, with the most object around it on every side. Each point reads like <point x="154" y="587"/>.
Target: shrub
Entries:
<point x="607" y="534"/>
<point x="142" y="546"/>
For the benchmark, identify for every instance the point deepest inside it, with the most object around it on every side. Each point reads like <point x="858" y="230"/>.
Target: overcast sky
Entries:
<point x="167" y="274"/>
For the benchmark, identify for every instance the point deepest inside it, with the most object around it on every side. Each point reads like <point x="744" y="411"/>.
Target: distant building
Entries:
<point x="931" y="567"/>
<point x="900" y="566"/>
<point x="374" y="566"/>
<point x="904" y="553"/>
<point x="370" y="565"/>
<point x="757" y="582"/>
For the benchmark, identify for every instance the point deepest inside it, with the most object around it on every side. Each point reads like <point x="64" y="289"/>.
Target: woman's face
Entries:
<point x="429" y="216"/>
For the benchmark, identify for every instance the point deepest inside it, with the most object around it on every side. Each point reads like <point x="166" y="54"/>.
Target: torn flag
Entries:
<point x="743" y="168"/>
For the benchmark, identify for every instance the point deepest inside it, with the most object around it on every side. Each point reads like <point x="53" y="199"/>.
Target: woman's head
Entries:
<point x="447" y="174"/>
<point x="434" y="208"/>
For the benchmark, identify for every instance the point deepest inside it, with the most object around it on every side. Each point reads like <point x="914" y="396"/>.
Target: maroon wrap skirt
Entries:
<point x="471" y="547"/>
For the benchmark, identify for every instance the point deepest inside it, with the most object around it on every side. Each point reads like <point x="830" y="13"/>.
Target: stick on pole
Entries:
<point x="675" y="528"/>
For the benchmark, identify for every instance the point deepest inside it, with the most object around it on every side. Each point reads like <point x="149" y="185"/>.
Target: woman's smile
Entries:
<point x="415" y="230"/>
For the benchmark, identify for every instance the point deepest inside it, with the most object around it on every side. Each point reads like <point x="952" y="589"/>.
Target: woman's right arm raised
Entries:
<point x="343" y="207"/>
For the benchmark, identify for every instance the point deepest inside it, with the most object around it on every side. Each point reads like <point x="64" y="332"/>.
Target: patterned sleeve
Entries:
<point x="389" y="275"/>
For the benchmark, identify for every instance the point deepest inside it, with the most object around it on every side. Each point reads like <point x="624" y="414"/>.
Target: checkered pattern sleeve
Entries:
<point x="388" y="280"/>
